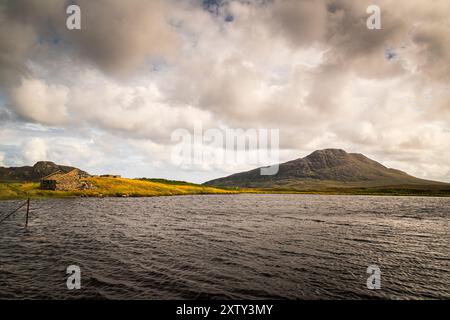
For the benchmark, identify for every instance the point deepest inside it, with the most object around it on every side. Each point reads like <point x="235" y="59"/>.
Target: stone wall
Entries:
<point x="64" y="182"/>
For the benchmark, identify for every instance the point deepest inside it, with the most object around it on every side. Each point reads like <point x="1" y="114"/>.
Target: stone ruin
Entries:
<point x="60" y="181"/>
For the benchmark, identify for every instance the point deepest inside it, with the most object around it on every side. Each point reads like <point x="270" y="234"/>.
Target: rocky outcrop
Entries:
<point x="35" y="173"/>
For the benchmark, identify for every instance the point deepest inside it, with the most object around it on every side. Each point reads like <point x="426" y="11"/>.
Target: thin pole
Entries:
<point x="28" y="211"/>
<point x="9" y="215"/>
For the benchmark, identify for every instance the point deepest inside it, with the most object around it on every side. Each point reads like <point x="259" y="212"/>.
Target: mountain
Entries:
<point x="330" y="168"/>
<point x="34" y="173"/>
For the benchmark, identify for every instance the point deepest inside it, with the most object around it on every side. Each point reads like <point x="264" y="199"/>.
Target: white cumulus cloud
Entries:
<point x="34" y="150"/>
<point x="39" y="102"/>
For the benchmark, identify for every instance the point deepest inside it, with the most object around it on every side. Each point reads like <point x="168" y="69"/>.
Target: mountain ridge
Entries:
<point x="33" y="173"/>
<point x="324" y="168"/>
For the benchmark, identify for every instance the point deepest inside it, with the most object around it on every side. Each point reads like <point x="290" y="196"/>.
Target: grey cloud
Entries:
<point x="303" y="22"/>
<point x="116" y="36"/>
<point x="119" y="35"/>
<point x="319" y="52"/>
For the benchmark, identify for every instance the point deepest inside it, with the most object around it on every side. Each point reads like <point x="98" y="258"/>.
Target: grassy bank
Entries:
<point x="108" y="187"/>
<point x="416" y="190"/>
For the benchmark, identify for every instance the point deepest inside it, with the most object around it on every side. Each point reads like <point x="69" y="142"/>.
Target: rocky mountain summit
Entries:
<point x="324" y="168"/>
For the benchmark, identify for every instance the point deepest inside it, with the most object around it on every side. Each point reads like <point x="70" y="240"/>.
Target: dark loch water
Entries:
<point x="228" y="247"/>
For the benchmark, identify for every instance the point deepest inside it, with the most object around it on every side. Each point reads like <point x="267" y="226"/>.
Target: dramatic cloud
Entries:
<point x="116" y="36"/>
<point x="112" y="93"/>
<point x="38" y="102"/>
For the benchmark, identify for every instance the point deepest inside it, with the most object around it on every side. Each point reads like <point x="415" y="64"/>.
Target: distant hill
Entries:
<point x="329" y="168"/>
<point x="34" y="173"/>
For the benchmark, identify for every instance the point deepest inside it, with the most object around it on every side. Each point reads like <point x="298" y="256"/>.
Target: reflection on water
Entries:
<point x="232" y="246"/>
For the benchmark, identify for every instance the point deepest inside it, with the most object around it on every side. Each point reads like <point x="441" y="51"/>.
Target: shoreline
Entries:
<point x="138" y="188"/>
<point x="261" y="192"/>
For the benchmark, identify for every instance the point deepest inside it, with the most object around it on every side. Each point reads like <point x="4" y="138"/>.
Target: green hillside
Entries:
<point x="326" y="169"/>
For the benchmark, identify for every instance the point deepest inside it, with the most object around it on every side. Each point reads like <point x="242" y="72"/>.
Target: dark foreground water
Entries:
<point x="239" y="246"/>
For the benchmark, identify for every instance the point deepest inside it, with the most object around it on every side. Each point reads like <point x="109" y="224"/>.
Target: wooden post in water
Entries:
<point x="28" y="211"/>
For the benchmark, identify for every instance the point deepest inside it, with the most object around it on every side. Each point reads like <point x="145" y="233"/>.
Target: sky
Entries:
<point x="107" y="98"/>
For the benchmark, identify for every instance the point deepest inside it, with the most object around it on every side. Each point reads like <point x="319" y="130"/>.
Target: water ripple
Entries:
<point x="228" y="247"/>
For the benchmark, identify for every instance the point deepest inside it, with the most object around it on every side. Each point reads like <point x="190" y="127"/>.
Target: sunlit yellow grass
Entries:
<point x="111" y="187"/>
<point x="135" y="188"/>
<point x="108" y="187"/>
